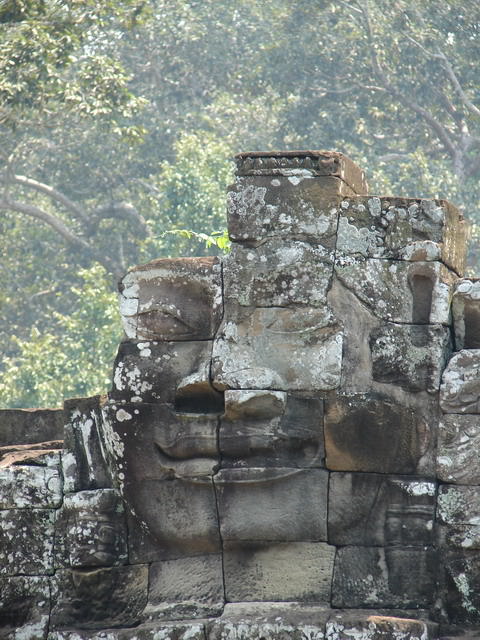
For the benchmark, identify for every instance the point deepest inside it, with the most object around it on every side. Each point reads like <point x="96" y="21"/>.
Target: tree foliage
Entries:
<point x="119" y="120"/>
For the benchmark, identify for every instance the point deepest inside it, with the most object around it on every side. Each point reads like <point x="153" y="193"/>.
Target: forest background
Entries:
<point x="119" y="120"/>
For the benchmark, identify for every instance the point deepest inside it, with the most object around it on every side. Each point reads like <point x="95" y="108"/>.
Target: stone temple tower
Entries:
<point x="289" y="447"/>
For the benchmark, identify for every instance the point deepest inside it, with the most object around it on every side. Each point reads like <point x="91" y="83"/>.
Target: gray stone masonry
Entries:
<point x="289" y="449"/>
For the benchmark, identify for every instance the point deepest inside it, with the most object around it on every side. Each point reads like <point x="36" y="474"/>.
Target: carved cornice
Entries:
<point x="313" y="163"/>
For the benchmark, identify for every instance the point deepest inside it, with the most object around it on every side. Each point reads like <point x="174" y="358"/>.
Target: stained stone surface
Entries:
<point x="283" y="206"/>
<point x="120" y="596"/>
<point x="411" y="356"/>
<point x="371" y="433"/>
<point x="398" y="291"/>
<point x="30" y="486"/>
<point x="279" y="621"/>
<point x="361" y="625"/>
<point x="460" y="505"/>
<point x="186" y="587"/>
<point x="272" y="621"/>
<point x="172" y="299"/>
<point x="404" y="509"/>
<point x="26" y="541"/>
<point x="91" y="529"/>
<point x="278" y="348"/>
<point x="24" y="608"/>
<point x="272" y="504"/>
<point x="370" y="577"/>
<point x="157" y="372"/>
<point x="286" y="571"/>
<point x="27" y="426"/>
<point x="154" y="631"/>
<point x="460" y="390"/>
<point x="466" y="314"/>
<point x="457" y="451"/>
<point x="407" y="229"/>
<point x="459" y="585"/>
<point x="273" y="275"/>
<point x="83" y="461"/>
<point x="271" y="429"/>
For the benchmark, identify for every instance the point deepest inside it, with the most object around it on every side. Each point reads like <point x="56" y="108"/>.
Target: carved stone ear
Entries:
<point x="466" y="314"/>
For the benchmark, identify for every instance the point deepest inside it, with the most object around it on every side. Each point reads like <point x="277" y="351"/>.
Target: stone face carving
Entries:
<point x="289" y="447"/>
<point x="178" y="299"/>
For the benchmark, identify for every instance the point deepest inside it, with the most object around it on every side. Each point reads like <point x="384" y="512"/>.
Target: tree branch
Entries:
<point x="59" y="197"/>
<point x="60" y="227"/>
<point x="456" y="84"/>
<point x="451" y="74"/>
<point x="411" y="104"/>
<point x="124" y="210"/>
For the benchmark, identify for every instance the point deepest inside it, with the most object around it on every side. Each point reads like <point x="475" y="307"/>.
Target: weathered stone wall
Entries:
<point x="289" y="445"/>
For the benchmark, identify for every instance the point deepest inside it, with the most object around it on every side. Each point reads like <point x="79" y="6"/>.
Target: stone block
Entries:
<point x="172" y="299"/>
<point x="83" y="460"/>
<point x="26" y="541"/>
<point x="276" y="274"/>
<point x="457" y="449"/>
<point x="362" y="625"/>
<point x="458" y="536"/>
<point x="460" y="389"/>
<point x="408" y="229"/>
<point x="373" y="433"/>
<point x="410" y="356"/>
<point x="279" y="505"/>
<point x="283" y="349"/>
<point x="300" y="571"/>
<point x="42" y="454"/>
<point x="27" y="426"/>
<point x="375" y="577"/>
<point x="166" y="372"/>
<point x="459" y="586"/>
<point x="466" y="314"/>
<point x="154" y="631"/>
<point x="30" y="487"/>
<point x="99" y="598"/>
<point x="180" y="515"/>
<point x="269" y="620"/>
<point x="186" y="588"/>
<point x="24" y="608"/>
<point x="272" y="429"/>
<point x="458" y="504"/>
<point x="373" y="509"/>
<point x="396" y="291"/>
<point x="297" y="206"/>
<point x="91" y="530"/>
<point x="324" y="164"/>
